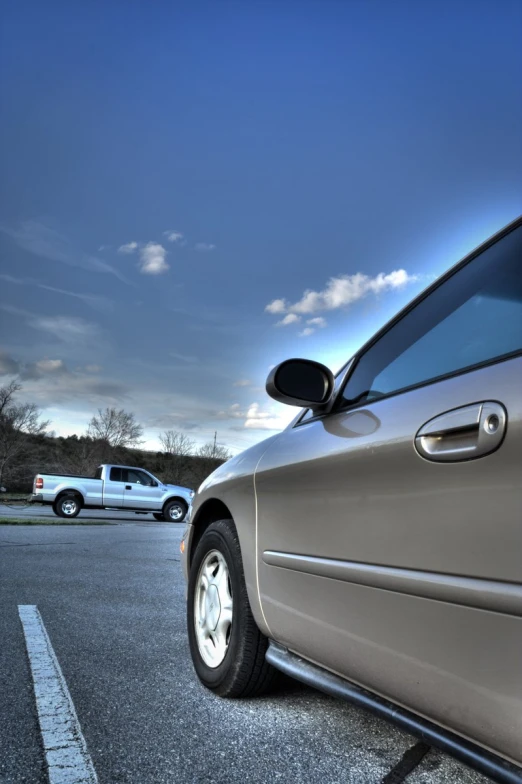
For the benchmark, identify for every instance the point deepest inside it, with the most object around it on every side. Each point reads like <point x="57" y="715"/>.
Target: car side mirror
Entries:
<point x="301" y="382"/>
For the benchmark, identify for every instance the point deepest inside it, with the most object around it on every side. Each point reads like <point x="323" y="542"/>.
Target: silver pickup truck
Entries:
<point x="112" y="487"/>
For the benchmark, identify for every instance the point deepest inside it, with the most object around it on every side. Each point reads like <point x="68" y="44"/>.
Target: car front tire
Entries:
<point x="175" y="511"/>
<point x="227" y="648"/>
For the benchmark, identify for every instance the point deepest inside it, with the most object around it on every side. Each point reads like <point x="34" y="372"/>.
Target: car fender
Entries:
<point x="232" y="485"/>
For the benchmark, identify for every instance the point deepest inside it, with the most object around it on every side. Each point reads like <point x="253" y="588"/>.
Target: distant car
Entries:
<point x="373" y="549"/>
<point x="124" y="488"/>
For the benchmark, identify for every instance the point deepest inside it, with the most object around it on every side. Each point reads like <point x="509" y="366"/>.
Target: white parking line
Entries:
<point x="65" y="749"/>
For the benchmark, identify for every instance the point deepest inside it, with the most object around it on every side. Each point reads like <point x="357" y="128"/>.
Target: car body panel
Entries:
<point x="233" y="484"/>
<point x="393" y="507"/>
<point x="55" y="484"/>
<point x="352" y="488"/>
<point x="113" y="492"/>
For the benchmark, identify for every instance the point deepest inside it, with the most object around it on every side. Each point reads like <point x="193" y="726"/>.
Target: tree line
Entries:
<point x="27" y="447"/>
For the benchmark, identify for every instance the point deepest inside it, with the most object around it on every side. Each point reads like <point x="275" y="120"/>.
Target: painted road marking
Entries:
<point x="68" y="760"/>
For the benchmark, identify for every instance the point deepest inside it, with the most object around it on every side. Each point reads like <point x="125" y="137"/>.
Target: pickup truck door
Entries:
<point x="141" y="491"/>
<point x="113" y="487"/>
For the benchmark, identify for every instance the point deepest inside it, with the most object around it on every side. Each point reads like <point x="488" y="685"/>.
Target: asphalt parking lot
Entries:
<point x="112" y="601"/>
<point x="33" y="511"/>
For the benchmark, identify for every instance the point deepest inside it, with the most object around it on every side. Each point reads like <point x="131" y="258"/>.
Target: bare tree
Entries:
<point x="7" y="394"/>
<point x="178" y="449"/>
<point x="214" y="451"/>
<point x="209" y="457"/>
<point x="17" y="423"/>
<point x="175" y="443"/>
<point x="79" y="455"/>
<point x="116" y="428"/>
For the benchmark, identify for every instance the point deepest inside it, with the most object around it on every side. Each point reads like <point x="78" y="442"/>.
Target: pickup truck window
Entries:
<point x="138" y="477"/>
<point x="98" y="474"/>
<point x="116" y="474"/>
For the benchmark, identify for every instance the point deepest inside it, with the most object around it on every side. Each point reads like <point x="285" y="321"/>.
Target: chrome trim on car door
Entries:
<point x="463" y="434"/>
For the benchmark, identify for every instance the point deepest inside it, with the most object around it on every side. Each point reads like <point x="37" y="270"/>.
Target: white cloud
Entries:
<point x="152" y="257"/>
<point x="276" y="306"/>
<point x="184" y="358"/>
<point x="290" y="318"/>
<point x="94" y="301"/>
<point x="93" y="368"/>
<point x="47" y="243"/>
<point x="257" y="419"/>
<point x="342" y="291"/>
<point x="174" y="236"/>
<point x="318" y="321"/>
<point x="69" y="329"/>
<point x="9" y="366"/>
<point x="129" y="247"/>
<point x="31" y="370"/>
<point x="204" y="246"/>
<point x="243" y="382"/>
<point x="50" y="365"/>
<point x="305" y="332"/>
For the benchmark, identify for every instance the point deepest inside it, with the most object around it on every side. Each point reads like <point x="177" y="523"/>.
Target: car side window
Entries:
<point x="116" y="474"/>
<point x="138" y="478"/>
<point x="473" y="318"/>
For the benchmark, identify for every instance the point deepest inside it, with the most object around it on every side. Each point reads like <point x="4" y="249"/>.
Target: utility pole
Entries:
<point x="215" y="439"/>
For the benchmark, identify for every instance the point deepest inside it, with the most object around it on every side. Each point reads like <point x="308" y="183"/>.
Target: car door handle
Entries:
<point x="128" y="487"/>
<point x="463" y="434"/>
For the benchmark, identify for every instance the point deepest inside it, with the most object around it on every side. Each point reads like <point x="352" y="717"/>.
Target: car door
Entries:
<point x="141" y="490"/>
<point x="389" y="531"/>
<point x="113" y="488"/>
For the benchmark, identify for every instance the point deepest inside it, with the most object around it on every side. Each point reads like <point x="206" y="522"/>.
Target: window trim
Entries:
<point x="336" y="407"/>
<point x="138" y="471"/>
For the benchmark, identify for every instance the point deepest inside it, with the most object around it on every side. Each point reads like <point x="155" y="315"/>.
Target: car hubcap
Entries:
<point x="213" y="609"/>
<point x="69" y="507"/>
<point x="176" y="512"/>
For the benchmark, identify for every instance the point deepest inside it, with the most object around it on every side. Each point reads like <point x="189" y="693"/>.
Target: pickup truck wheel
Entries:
<point x="227" y="648"/>
<point x="175" y="511"/>
<point x="67" y="505"/>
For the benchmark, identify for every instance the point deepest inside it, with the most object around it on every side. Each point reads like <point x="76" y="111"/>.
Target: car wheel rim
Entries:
<point x="213" y="609"/>
<point x="176" y="512"/>
<point x="69" y="508"/>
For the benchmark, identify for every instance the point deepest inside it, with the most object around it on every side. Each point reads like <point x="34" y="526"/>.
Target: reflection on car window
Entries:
<point x="138" y="478"/>
<point x="474" y="317"/>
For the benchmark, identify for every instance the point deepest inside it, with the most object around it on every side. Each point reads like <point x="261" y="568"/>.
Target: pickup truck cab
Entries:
<point x="113" y="487"/>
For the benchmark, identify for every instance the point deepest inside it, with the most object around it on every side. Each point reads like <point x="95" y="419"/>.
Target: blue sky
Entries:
<point x="172" y="170"/>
